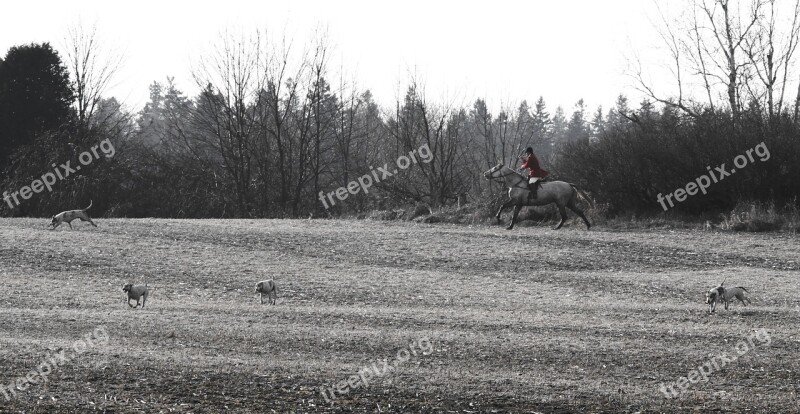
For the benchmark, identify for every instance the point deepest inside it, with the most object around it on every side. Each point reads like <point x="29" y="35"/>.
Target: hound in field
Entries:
<point x="70" y="215"/>
<point x="738" y="292"/>
<point x="267" y="287"/>
<point x="136" y="292"/>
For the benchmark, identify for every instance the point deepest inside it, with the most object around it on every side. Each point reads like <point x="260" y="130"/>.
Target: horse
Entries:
<point x="564" y="194"/>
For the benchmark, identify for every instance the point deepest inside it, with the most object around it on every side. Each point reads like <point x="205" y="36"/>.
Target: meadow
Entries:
<point x="470" y="319"/>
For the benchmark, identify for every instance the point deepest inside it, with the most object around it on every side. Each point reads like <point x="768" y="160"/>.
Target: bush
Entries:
<point x="630" y="163"/>
<point x="761" y="217"/>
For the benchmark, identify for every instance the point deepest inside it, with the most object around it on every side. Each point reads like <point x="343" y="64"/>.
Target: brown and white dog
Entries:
<point x="267" y="287"/>
<point x="738" y="292"/>
<point x="70" y="215"/>
<point x="726" y="295"/>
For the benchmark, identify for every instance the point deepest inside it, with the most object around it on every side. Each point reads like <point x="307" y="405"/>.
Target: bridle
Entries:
<point x="492" y="176"/>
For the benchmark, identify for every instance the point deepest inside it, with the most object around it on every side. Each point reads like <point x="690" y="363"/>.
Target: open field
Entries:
<point x="531" y="320"/>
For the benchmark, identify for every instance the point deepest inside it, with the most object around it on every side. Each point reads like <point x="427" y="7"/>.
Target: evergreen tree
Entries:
<point x="151" y="117"/>
<point x="35" y="96"/>
<point x="646" y="110"/>
<point x="598" y="123"/>
<point x="558" y="132"/>
<point x="615" y="115"/>
<point x="540" y="126"/>
<point x="577" y="128"/>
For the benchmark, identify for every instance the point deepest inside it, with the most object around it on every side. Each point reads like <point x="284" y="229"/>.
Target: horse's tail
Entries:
<point x="582" y="194"/>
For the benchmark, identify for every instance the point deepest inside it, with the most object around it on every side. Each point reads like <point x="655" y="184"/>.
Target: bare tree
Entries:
<point x="347" y="128"/>
<point x="230" y="79"/>
<point x="323" y="108"/>
<point x="726" y="47"/>
<point x="92" y="68"/>
<point x="278" y="109"/>
<point x="442" y="130"/>
<point x="482" y="127"/>
<point x="676" y="49"/>
<point x="771" y="56"/>
<point x="730" y="33"/>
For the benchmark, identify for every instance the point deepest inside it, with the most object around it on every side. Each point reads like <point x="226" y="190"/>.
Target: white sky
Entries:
<point x="504" y="51"/>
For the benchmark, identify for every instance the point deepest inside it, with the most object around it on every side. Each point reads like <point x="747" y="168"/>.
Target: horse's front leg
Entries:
<point x="517" y="208"/>
<point x="505" y="205"/>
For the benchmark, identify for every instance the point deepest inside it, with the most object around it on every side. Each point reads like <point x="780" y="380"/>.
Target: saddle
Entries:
<point x="533" y="185"/>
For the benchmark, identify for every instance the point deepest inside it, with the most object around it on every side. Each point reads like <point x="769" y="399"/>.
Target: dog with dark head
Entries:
<point x="68" y="216"/>
<point x="726" y="295"/>
<point x="136" y="292"/>
<point x="714" y="296"/>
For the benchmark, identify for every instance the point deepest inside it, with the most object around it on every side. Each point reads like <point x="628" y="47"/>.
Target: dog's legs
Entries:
<point x="89" y="220"/>
<point x="70" y="225"/>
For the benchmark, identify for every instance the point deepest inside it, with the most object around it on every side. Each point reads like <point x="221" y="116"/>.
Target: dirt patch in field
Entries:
<point x="522" y="321"/>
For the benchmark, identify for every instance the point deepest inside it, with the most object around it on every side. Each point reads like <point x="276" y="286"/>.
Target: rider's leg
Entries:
<point x="533" y="185"/>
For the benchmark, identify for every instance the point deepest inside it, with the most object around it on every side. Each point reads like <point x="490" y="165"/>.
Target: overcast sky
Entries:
<point x="504" y="51"/>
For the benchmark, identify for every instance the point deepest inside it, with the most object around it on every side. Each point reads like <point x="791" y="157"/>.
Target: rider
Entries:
<point x="535" y="173"/>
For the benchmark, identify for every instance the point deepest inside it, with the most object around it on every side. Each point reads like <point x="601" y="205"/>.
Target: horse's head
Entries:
<point x="494" y="172"/>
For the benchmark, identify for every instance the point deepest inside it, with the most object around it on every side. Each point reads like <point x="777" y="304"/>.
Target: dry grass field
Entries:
<point x="468" y="319"/>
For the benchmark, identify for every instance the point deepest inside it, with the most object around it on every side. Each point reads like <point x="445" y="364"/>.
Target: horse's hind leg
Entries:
<point x="563" y="212"/>
<point x="517" y="208"/>
<point x="505" y="205"/>
<point x="578" y="211"/>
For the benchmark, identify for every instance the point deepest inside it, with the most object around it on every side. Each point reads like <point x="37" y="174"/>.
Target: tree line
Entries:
<point x="273" y="127"/>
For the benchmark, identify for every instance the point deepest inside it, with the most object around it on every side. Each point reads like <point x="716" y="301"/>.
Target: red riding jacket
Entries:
<point x="532" y="165"/>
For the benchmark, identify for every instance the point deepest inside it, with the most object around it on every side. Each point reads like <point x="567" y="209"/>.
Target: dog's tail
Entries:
<point x="742" y="288"/>
<point x="90" y="206"/>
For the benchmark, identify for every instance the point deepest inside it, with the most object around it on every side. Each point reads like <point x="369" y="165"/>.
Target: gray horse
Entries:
<point x="562" y="193"/>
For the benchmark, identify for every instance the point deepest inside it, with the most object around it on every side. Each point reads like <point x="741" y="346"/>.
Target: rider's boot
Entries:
<point x="533" y="187"/>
